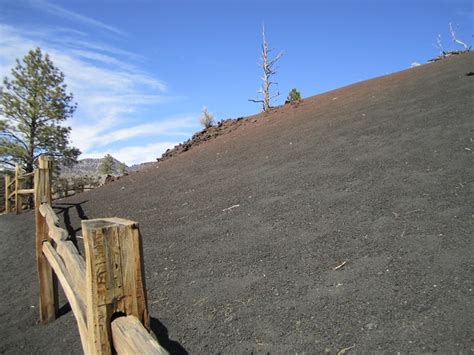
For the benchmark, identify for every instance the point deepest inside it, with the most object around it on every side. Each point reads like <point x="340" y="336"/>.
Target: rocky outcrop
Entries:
<point x="445" y="55"/>
<point x="207" y="134"/>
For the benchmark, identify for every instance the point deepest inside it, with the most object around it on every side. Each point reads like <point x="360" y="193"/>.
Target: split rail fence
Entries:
<point x="106" y="290"/>
<point x="14" y="190"/>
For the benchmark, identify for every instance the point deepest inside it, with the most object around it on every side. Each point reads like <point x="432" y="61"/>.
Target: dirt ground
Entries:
<point x="242" y="234"/>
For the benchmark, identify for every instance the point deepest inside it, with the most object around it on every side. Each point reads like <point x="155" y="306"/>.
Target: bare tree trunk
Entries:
<point x="266" y="84"/>
<point x="268" y="70"/>
<point x="439" y="45"/>
<point x="453" y="35"/>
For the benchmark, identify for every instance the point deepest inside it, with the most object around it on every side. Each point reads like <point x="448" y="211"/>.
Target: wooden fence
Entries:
<point x="106" y="290"/>
<point x="63" y="187"/>
<point x="14" y="190"/>
<point x="68" y="186"/>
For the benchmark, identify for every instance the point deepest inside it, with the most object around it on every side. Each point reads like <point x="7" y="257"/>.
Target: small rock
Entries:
<point x="371" y="326"/>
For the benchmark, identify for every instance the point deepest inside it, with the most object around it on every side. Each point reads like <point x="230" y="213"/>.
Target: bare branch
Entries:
<point x="276" y="95"/>
<point x="439" y="45"/>
<point x="268" y="70"/>
<point x="274" y="60"/>
<point x="207" y="118"/>
<point x="453" y="36"/>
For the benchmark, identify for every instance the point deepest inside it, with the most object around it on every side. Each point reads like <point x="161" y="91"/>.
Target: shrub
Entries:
<point x="106" y="166"/>
<point x="293" y="96"/>
<point x="207" y="118"/>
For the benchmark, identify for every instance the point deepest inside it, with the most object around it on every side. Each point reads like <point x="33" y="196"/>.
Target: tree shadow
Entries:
<point x="161" y="333"/>
<point x="64" y="209"/>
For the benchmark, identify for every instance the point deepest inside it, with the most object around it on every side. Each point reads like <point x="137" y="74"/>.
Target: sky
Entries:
<point x="141" y="71"/>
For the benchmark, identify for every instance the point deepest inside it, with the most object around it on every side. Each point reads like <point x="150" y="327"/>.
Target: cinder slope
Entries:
<point x="377" y="174"/>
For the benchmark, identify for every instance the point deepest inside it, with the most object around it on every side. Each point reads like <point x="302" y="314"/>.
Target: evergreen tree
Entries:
<point x="122" y="168"/>
<point x="107" y="165"/>
<point x="293" y="95"/>
<point x="34" y="105"/>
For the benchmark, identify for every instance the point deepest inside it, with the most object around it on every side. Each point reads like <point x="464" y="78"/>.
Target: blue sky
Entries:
<point x="142" y="70"/>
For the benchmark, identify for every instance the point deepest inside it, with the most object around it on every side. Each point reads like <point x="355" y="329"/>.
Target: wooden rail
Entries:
<point x="14" y="190"/>
<point x="65" y="187"/>
<point x="130" y="337"/>
<point x="106" y="290"/>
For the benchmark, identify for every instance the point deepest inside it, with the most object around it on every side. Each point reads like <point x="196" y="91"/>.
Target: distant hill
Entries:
<point x="91" y="167"/>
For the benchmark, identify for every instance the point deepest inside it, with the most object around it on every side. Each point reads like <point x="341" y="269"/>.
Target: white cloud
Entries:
<point x="169" y="127"/>
<point x="73" y="16"/>
<point x="136" y="154"/>
<point x="87" y="139"/>
<point x="112" y="94"/>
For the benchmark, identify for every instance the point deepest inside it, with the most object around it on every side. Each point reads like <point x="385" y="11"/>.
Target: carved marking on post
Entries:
<point x="114" y="270"/>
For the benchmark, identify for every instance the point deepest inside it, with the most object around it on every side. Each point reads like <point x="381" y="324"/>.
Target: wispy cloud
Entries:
<point x="105" y="133"/>
<point x="114" y="96"/>
<point x="170" y="127"/>
<point x="73" y="16"/>
<point x="137" y="154"/>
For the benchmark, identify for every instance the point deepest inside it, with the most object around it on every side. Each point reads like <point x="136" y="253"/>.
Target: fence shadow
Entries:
<point x="64" y="208"/>
<point x="161" y="332"/>
<point x="63" y="310"/>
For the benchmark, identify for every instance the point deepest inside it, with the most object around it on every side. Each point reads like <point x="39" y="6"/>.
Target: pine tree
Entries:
<point x="107" y="165"/>
<point x="34" y="105"/>
<point x="122" y="168"/>
<point x="293" y="96"/>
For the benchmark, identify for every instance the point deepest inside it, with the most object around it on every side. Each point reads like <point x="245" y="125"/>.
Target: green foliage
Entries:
<point x="34" y="105"/>
<point x="107" y="165"/>
<point x="122" y="168"/>
<point x="293" y="96"/>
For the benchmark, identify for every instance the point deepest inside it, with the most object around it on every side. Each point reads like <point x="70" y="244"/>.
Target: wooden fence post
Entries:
<point x="48" y="284"/>
<point x="7" y="194"/>
<point x="114" y="278"/>
<point x="18" y="199"/>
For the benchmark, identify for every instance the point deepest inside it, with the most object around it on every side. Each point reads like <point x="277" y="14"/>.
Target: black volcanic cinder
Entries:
<point x="243" y="234"/>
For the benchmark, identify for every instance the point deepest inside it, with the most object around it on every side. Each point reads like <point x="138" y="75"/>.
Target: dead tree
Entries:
<point x="453" y="36"/>
<point x="268" y="66"/>
<point x="439" y="45"/>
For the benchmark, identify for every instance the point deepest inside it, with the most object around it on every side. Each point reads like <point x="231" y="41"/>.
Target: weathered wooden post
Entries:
<point x="18" y="199"/>
<point x="114" y="278"/>
<point x="7" y="194"/>
<point x="48" y="289"/>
